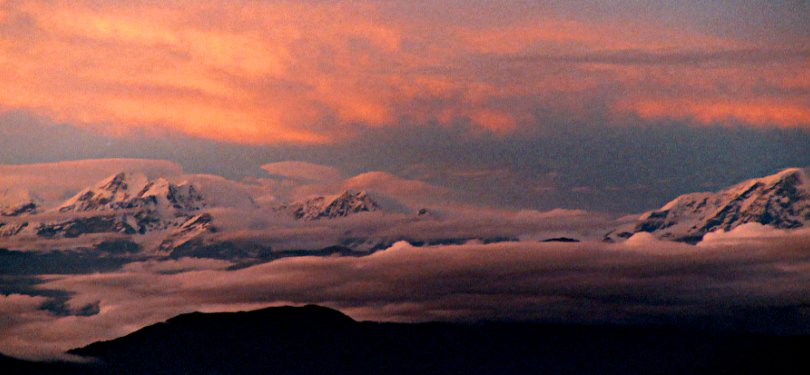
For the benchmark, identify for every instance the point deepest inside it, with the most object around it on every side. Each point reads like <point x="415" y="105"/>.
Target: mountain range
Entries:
<point x="164" y="217"/>
<point x="131" y="204"/>
<point x="122" y="204"/>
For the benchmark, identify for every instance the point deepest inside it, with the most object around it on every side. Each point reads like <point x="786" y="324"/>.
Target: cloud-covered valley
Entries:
<point x="730" y="281"/>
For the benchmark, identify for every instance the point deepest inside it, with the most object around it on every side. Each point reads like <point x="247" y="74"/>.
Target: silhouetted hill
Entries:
<point x="9" y="365"/>
<point x="318" y="340"/>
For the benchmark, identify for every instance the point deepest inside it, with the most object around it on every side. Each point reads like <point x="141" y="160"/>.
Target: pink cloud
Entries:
<point x="303" y="171"/>
<point x="276" y="72"/>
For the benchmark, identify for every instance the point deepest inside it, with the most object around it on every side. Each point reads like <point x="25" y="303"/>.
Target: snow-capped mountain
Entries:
<point x="781" y="200"/>
<point x="160" y="216"/>
<point x="18" y="203"/>
<point x="330" y="207"/>
<point x="123" y="203"/>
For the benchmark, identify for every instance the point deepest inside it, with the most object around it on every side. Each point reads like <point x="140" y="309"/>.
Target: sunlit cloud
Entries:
<point x="317" y="72"/>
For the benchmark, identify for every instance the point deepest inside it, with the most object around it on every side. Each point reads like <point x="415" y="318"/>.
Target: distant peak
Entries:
<point x="115" y="178"/>
<point x="787" y="172"/>
<point x="780" y="200"/>
<point x="797" y="173"/>
<point x="351" y="194"/>
<point x="114" y="182"/>
<point x="346" y="203"/>
<point x="789" y="176"/>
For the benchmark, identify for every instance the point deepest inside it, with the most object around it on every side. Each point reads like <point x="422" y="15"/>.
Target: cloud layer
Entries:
<point x="728" y="282"/>
<point x="318" y="72"/>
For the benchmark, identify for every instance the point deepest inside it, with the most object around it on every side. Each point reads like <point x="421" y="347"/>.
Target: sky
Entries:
<point x="605" y="105"/>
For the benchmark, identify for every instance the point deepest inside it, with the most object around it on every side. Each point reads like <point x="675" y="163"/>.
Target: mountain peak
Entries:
<point x="115" y="182"/>
<point x="790" y="172"/>
<point x="109" y="190"/>
<point x="780" y="200"/>
<point x="344" y="204"/>
<point x="123" y="191"/>
<point x="350" y="202"/>
<point x="790" y="177"/>
<point x="352" y="193"/>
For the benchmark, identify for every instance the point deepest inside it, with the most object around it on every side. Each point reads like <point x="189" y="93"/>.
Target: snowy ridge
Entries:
<point x="781" y="200"/>
<point x="331" y="207"/>
<point x="122" y="191"/>
<point x="127" y="204"/>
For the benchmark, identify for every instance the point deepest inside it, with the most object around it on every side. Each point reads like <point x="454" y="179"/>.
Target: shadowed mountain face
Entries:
<point x="318" y="340"/>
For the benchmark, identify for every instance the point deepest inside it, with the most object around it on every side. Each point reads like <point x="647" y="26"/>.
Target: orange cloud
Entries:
<point x="758" y="113"/>
<point x="284" y="71"/>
